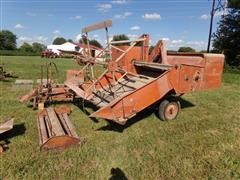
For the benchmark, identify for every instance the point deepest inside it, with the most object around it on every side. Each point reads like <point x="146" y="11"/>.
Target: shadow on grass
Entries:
<point x="83" y="105"/>
<point x="17" y="130"/>
<point x="112" y="126"/>
<point x="117" y="174"/>
<point x="185" y="104"/>
<point x="5" y="80"/>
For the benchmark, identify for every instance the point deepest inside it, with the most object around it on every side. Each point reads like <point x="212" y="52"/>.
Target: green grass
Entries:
<point x="203" y="143"/>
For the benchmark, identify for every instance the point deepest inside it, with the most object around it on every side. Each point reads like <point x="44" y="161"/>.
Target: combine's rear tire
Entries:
<point x="169" y="109"/>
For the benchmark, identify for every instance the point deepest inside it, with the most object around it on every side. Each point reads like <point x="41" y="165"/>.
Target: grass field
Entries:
<point x="203" y="143"/>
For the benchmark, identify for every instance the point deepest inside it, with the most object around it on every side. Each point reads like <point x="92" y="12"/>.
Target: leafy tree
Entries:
<point x="26" y="47"/>
<point x="70" y="40"/>
<point x="95" y="43"/>
<point x="171" y="51"/>
<point x="227" y="37"/>
<point x="186" y="49"/>
<point x="121" y="37"/>
<point x="234" y="4"/>
<point x="7" y="40"/>
<point x="38" y="47"/>
<point x="83" y="40"/>
<point x="59" y="40"/>
<point x="150" y="49"/>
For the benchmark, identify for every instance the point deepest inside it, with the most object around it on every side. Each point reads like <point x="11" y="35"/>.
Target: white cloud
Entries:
<point x="18" y="26"/>
<point x="176" y="44"/>
<point x="132" y="36"/>
<point x="95" y="35"/>
<point x="204" y="17"/>
<point x="153" y="16"/>
<point x="179" y="41"/>
<point x="24" y="39"/>
<point x="127" y="14"/>
<point x="219" y="13"/>
<point x="122" y="16"/>
<point x="216" y="15"/>
<point x="76" y="17"/>
<point x="31" y="14"/>
<point x="119" y="2"/>
<point x="41" y="39"/>
<point x="78" y="37"/>
<point x="56" y="32"/>
<point x="166" y="39"/>
<point x="135" y="28"/>
<point x="104" y="7"/>
<point x="30" y="40"/>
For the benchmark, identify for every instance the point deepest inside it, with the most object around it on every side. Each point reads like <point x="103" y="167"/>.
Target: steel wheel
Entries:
<point x="168" y="109"/>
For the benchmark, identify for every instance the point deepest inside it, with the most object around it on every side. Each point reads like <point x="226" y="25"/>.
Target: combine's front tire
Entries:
<point x="169" y="109"/>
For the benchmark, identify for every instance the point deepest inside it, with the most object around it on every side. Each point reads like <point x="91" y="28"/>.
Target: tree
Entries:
<point x="150" y="49"/>
<point x="7" y="40"/>
<point x="186" y="49"/>
<point x="227" y="37"/>
<point x="38" y="47"/>
<point x="234" y="4"/>
<point x="26" y="47"/>
<point x="121" y="37"/>
<point x="70" y="40"/>
<point x="59" y="40"/>
<point x="95" y="43"/>
<point x="83" y="40"/>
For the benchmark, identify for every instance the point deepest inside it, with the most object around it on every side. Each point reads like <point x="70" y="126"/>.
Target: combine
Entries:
<point x="134" y="79"/>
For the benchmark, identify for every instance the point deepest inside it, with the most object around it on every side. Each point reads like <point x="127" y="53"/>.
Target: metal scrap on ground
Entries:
<point x="4" y="75"/>
<point x="5" y="126"/>
<point x="55" y="129"/>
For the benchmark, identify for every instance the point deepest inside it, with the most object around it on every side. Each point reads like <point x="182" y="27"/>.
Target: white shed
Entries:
<point x="67" y="46"/>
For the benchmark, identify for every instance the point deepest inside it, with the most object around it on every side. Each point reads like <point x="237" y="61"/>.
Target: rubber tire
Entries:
<point x="163" y="107"/>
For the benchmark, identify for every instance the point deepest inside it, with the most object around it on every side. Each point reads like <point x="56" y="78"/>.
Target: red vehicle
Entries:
<point x="48" y="54"/>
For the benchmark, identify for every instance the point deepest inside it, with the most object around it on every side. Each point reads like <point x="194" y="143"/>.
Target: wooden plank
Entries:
<point x="70" y="125"/>
<point x="43" y="136"/>
<point x="101" y="25"/>
<point x="48" y="127"/>
<point x="56" y="127"/>
<point x="76" y="89"/>
<point x="64" y="124"/>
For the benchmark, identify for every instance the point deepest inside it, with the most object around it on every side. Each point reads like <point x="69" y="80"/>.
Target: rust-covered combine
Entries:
<point x="135" y="79"/>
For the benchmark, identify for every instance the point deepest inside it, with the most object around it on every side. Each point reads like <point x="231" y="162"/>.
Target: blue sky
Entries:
<point x="180" y="22"/>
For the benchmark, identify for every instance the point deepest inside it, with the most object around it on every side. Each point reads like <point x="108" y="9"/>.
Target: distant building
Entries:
<point x="77" y="47"/>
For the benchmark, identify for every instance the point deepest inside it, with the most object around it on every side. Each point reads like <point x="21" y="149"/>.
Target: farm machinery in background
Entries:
<point x="133" y="79"/>
<point x="4" y="75"/>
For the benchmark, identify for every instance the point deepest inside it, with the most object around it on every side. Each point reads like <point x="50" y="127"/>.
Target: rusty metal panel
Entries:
<point x="55" y="129"/>
<point x="129" y="105"/>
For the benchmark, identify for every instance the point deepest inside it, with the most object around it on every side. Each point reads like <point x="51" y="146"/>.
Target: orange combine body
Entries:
<point x="140" y="79"/>
<point x="136" y="79"/>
